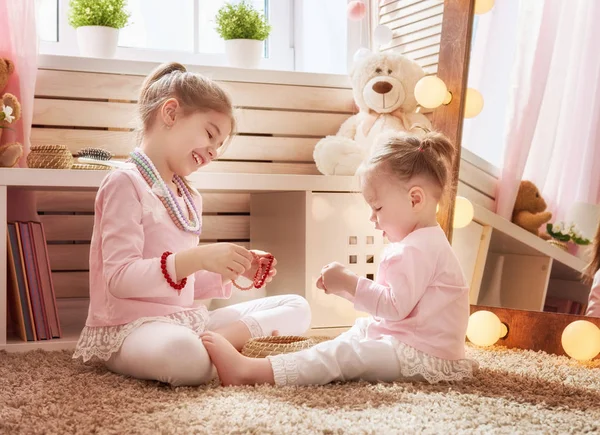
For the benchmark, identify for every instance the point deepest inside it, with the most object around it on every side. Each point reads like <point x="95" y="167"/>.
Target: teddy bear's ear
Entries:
<point x="10" y="66"/>
<point x="360" y="54"/>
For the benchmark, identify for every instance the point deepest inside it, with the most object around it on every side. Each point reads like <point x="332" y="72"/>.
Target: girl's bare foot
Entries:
<point x="234" y="368"/>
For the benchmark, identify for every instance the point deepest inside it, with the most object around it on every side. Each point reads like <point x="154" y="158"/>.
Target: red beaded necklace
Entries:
<point x="265" y="263"/>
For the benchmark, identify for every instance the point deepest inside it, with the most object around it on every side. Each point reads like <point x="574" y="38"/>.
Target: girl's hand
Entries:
<point x="337" y="279"/>
<point x="228" y="259"/>
<point x="250" y="272"/>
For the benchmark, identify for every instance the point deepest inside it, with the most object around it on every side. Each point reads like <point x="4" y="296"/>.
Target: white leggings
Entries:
<point x="352" y="356"/>
<point x="174" y="354"/>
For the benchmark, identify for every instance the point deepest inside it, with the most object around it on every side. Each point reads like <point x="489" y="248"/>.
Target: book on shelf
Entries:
<point x="32" y="310"/>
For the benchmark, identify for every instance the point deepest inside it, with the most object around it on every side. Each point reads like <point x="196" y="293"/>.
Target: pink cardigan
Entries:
<point x="420" y="295"/>
<point x="131" y="231"/>
<point x="593" y="308"/>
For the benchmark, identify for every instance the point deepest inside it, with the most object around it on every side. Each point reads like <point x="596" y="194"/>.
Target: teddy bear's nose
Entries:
<point x="382" y="87"/>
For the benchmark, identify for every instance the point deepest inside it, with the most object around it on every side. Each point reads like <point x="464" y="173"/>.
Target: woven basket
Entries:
<point x="50" y="157"/>
<point x="262" y="347"/>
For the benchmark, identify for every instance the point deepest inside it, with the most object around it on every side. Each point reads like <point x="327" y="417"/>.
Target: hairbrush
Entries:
<point x="94" y="153"/>
<point x="98" y="156"/>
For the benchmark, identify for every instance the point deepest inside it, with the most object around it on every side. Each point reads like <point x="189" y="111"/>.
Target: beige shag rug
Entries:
<point x="514" y="392"/>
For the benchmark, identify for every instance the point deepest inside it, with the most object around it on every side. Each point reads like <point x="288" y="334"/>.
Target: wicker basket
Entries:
<point x="50" y="157"/>
<point x="262" y="347"/>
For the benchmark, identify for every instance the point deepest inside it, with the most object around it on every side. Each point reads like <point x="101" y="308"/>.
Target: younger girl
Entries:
<point x="593" y="274"/>
<point x="146" y="268"/>
<point x="418" y="304"/>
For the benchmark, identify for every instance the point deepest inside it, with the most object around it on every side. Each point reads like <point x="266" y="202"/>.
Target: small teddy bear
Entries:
<point x="383" y="87"/>
<point x="529" y="210"/>
<point x="10" y="112"/>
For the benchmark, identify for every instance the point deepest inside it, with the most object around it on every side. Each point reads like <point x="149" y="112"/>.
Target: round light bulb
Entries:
<point x="483" y="6"/>
<point x="581" y="340"/>
<point x="485" y="328"/>
<point x="463" y="212"/>
<point x="382" y="35"/>
<point x="356" y="10"/>
<point x="473" y="103"/>
<point x="431" y="92"/>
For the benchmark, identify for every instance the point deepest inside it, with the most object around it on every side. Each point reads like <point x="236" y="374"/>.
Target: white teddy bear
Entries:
<point x="383" y="86"/>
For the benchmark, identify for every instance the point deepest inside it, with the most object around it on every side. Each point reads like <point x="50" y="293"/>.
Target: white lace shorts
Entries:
<point x="351" y="356"/>
<point x="103" y="341"/>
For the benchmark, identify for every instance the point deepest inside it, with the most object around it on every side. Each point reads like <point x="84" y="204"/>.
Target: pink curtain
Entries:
<point x="552" y="134"/>
<point x="19" y="43"/>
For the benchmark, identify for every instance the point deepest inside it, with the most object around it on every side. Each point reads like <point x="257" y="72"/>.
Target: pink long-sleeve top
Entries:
<point x="593" y="308"/>
<point x="131" y="231"/>
<point x="420" y="295"/>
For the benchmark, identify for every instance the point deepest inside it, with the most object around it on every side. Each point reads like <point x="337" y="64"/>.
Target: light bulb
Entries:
<point x="483" y="6"/>
<point x="431" y="92"/>
<point x="356" y="10"/>
<point x="382" y="35"/>
<point x="581" y="340"/>
<point x="463" y="212"/>
<point x="473" y="103"/>
<point x="485" y="328"/>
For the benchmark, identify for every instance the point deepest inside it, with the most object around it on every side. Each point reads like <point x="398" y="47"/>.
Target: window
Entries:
<point x="47" y="19"/>
<point x="147" y="16"/>
<point x="208" y="39"/>
<point x="307" y="35"/>
<point x="493" y="49"/>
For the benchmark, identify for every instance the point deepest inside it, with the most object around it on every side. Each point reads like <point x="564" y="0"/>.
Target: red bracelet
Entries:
<point x="163" y="266"/>
<point x="265" y="263"/>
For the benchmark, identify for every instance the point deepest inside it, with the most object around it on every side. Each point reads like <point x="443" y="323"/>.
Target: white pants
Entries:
<point x="351" y="356"/>
<point x="174" y="354"/>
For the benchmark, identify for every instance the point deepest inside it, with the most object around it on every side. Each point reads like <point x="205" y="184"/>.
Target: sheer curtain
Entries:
<point x="19" y="44"/>
<point x="552" y="136"/>
<point x="491" y="62"/>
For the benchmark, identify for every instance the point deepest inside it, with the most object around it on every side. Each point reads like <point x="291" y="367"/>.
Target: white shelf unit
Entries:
<point x="510" y="267"/>
<point x="471" y="242"/>
<point x="73" y="312"/>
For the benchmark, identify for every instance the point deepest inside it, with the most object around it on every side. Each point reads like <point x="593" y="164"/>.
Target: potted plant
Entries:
<point x="561" y="234"/>
<point x="244" y="29"/>
<point x="98" y="23"/>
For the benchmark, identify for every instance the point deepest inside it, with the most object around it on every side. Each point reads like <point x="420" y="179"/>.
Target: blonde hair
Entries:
<point x="409" y="155"/>
<point x="193" y="91"/>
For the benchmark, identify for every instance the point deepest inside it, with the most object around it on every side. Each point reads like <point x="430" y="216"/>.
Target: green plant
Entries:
<point x="241" y="21"/>
<point x="108" y="13"/>
<point x="564" y="233"/>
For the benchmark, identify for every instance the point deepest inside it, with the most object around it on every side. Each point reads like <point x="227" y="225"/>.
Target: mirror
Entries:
<point x="536" y="69"/>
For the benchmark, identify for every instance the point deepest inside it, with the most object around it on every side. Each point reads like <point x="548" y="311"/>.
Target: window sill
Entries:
<point x="222" y="73"/>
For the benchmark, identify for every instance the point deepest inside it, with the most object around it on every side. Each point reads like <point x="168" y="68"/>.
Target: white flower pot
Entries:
<point x="97" y="41"/>
<point x="244" y="53"/>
